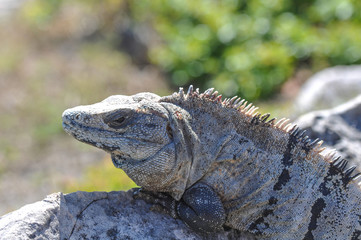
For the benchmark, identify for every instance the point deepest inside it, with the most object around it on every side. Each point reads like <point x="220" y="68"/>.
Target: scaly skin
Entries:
<point x="217" y="163"/>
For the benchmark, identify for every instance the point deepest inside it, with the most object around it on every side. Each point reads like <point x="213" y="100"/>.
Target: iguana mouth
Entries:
<point x="73" y="128"/>
<point x="86" y="134"/>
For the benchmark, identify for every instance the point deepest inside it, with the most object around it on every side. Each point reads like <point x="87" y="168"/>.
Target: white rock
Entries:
<point x="329" y="88"/>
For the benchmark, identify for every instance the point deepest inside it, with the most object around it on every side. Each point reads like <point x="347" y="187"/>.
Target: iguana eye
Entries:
<point x="117" y="120"/>
<point x="116" y="123"/>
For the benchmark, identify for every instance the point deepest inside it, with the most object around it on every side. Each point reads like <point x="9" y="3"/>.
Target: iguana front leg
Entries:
<point x="200" y="207"/>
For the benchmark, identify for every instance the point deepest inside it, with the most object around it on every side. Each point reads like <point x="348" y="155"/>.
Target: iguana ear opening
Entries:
<point x="169" y="131"/>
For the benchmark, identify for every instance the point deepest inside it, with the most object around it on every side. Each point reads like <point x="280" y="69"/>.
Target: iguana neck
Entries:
<point x="190" y="134"/>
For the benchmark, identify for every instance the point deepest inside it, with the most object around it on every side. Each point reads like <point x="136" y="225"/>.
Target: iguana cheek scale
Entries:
<point x="219" y="163"/>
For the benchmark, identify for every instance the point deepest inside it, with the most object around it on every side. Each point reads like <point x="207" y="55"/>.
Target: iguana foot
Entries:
<point x="200" y="207"/>
<point x="162" y="199"/>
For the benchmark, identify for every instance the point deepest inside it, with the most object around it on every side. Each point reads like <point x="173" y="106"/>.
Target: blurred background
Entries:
<point x="58" y="54"/>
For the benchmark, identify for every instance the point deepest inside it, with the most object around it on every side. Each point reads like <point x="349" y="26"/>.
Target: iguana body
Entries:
<point x="224" y="165"/>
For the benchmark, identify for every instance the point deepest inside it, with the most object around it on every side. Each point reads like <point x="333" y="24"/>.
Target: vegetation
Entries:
<point x="240" y="47"/>
<point x="251" y="47"/>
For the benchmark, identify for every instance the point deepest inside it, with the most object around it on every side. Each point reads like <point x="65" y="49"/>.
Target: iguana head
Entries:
<point x="134" y="127"/>
<point x="166" y="143"/>
<point x="135" y="130"/>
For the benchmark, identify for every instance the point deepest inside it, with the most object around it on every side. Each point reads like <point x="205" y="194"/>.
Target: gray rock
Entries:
<point x="96" y="215"/>
<point x="34" y="221"/>
<point x="339" y="128"/>
<point x="329" y="88"/>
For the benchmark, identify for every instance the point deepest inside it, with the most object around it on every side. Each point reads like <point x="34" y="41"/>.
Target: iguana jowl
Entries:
<point x="216" y="163"/>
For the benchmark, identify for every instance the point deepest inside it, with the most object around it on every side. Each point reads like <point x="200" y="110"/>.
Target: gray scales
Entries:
<point x="219" y="164"/>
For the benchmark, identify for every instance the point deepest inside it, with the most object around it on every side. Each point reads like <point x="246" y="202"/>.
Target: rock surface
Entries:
<point x="96" y="215"/>
<point x="339" y="128"/>
<point x="329" y="88"/>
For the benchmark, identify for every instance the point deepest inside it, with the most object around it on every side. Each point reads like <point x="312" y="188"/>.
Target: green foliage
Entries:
<point x="249" y="47"/>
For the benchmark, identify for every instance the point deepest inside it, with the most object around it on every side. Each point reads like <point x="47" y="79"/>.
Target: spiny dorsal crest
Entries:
<point x="243" y="107"/>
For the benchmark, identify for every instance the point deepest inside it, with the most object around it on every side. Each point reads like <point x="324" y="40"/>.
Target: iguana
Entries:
<point x="220" y="164"/>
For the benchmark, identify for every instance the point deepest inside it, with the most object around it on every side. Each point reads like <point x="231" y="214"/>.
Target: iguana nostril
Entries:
<point x="77" y="117"/>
